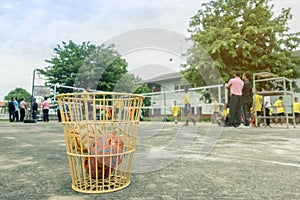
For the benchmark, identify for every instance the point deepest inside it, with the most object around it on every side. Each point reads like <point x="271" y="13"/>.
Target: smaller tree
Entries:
<point x="19" y="93"/>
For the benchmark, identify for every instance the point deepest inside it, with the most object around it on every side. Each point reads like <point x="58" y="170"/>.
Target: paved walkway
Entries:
<point x="171" y="162"/>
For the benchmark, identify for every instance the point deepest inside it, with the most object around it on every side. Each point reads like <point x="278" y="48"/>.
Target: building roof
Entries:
<point x="177" y="75"/>
<point x="297" y="52"/>
<point x="2" y="103"/>
<point x="164" y="77"/>
<point x="264" y="75"/>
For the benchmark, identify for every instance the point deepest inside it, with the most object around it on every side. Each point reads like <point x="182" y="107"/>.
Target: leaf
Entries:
<point x="243" y="35"/>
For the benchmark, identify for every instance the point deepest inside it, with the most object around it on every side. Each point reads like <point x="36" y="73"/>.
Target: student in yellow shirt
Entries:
<point x="187" y="107"/>
<point x="175" y="110"/>
<point x="296" y="106"/>
<point x="215" y="108"/>
<point x="280" y="109"/>
<point x="224" y="116"/>
<point x="258" y="106"/>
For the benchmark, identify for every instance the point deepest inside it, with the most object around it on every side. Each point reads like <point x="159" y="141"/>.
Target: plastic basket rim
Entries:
<point x="99" y="93"/>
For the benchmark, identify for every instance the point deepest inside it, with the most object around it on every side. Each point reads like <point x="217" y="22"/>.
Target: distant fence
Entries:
<point x="4" y="116"/>
<point x="3" y="110"/>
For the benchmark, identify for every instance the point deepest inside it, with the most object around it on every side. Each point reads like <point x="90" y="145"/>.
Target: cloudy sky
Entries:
<point x="30" y="29"/>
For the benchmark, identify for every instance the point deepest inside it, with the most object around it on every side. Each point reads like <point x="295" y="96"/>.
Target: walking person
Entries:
<point x="16" y="103"/>
<point x="175" y="110"/>
<point x="187" y="107"/>
<point x="11" y="110"/>
<point x="236" y="86"/>
<point x="22" y="109"/>
<point x="46" y="107"/>
<point x="246" y="99"/>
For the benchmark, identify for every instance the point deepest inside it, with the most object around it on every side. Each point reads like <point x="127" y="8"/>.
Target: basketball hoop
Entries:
<point x="40" y="90"/>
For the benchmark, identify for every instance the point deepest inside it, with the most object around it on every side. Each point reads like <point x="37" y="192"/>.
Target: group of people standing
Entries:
<point x="280" y="110"/>
<point x="187" y="109"/>
<point x="240" y="107"/>
<point x="15" y="107"/>
<point x="240" y="99"/>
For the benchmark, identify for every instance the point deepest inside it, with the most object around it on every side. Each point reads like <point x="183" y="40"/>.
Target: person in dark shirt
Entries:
<point x="246" y="99"/>
<point x="11" y="110"/>
<point x="58" y="113"/>
<point x="34" y="109"/>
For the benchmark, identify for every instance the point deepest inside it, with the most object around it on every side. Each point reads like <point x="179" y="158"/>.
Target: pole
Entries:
<point x="55" y="85"/>
<point x="75" y="88"/>
<point x="32" y="93"/>
<point x="165" y="106"/>
<point x="30" y="120"/>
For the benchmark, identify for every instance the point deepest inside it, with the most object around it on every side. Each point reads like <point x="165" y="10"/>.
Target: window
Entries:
<point x="176" y="88"/>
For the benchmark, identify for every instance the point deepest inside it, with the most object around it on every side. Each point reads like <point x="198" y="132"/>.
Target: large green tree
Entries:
<point x="84" y="65"/>
<point x="243" y="35"/>
<point x="67" y="59"/>
<point x="102" y="69"/>
<point x="19" y="93"/>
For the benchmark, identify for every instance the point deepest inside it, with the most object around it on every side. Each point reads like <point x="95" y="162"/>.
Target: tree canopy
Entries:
<point x="85" y="65"/>
<point x="19" y="93"/>
<point x="244" y="35"/>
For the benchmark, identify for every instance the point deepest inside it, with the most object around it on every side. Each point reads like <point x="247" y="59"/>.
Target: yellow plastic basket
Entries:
<point x="100" y="131"/>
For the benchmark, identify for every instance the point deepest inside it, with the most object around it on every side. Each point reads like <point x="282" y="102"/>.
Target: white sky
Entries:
<point x="30" y="29"/>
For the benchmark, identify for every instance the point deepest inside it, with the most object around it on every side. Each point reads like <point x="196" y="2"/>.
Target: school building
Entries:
<point x="167" y="88"/>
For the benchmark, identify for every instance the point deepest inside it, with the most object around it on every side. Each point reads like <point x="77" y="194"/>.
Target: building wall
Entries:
<point x="162" y="102"/>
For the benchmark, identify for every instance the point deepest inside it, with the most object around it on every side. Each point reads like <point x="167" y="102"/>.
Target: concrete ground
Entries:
<point x="171" y="162"/>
